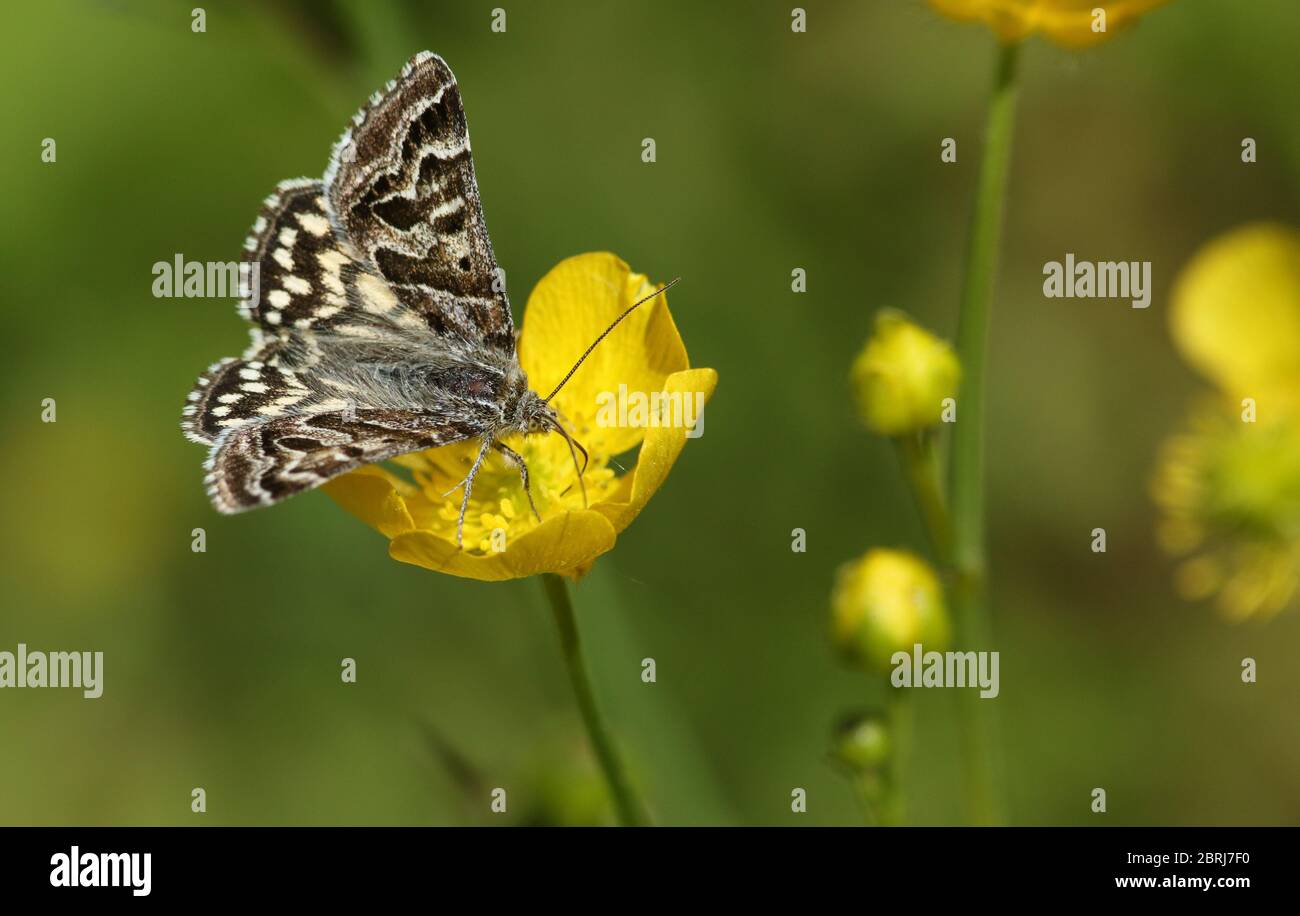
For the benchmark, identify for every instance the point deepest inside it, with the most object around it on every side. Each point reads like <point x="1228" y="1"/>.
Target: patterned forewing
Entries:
<point x="401" y="186"/>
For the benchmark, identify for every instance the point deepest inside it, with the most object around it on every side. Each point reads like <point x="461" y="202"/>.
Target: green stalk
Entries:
<point x="631" y="812"/>
<point x="900" y="739"/>
<point x="916" y="453"/>
<point x="865" y="790"/>
<point x="968" y="437"/>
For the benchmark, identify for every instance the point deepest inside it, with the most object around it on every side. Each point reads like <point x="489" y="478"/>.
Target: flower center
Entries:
<point x="499" y="509"/>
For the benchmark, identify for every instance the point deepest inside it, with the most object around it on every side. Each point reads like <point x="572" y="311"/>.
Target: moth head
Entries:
<point x="535" y="415"/>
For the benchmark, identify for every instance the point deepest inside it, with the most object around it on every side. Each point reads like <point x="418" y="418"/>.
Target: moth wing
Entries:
<point x="234" y="393"/>
<point x="263" y="463"/>
<point x="401" y="188"/>
<point x="308" y="278"/>
<point x="303" y="273"/>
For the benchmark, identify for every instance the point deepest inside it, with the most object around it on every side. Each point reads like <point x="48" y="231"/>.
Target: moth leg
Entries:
<point x="460" y="483"/>
<point x="517" y="459"/>
<point x="469" y="487"/>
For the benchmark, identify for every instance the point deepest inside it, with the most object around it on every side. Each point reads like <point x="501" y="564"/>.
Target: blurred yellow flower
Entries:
<point x="1230" y="495"/>
<point x="1072" y="23"/>
<point x="1236" y="314"/>
<point x="887" y="601"/>
<point x="1229" y="486"/>
<point x="567" y="310"/>
<point x="902" y="376"/>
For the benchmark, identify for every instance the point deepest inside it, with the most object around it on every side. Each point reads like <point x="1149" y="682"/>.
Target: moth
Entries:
<point x="381" y="323"/>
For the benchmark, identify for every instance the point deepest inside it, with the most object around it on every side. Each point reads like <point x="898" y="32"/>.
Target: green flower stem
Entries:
<point x="968" y="437"/>
<point x="865" y="790"/>
<point x="916" y="453"/>
<point x="631" y="812"/>
<point x="900" y="738"/>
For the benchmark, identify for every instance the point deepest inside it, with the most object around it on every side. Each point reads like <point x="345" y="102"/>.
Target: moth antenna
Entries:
<point x="605" y="333"/>
<point x="574" y="448"/>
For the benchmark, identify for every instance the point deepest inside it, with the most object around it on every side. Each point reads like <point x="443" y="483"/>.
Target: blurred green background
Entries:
<point x="775" y="151"/>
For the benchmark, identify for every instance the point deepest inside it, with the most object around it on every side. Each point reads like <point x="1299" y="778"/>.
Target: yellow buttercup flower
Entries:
<point x="1072" y="23"/>
<point x="636" y="389"/>
<point x="1229" y="486"/>
<point x="903" y="376"/>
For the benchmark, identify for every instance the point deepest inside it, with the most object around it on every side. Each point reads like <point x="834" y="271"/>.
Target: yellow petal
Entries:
<point x="660" y="449"/>
<point x="567" y="311"/>
<point x="566" y="544"/>
<point x="1236" y="310"/>
<point x="1067" y="22"/>
<point x="374" y="496"/>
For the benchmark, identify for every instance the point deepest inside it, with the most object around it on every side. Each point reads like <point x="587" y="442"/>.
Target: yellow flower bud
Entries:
<point x="902" y="376"/>
<point x="886" y="602"/>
